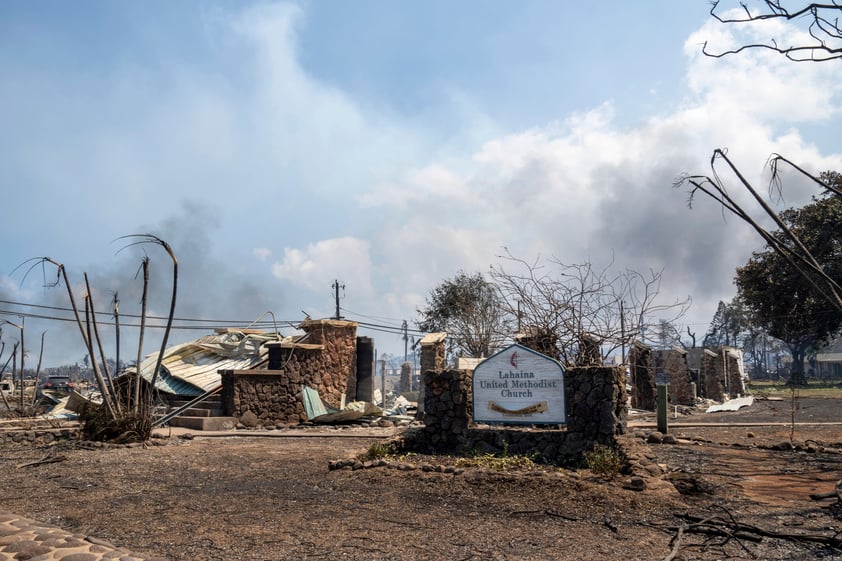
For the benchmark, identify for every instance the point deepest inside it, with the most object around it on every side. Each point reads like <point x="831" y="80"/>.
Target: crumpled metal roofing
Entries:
<point x="192" y="368"/>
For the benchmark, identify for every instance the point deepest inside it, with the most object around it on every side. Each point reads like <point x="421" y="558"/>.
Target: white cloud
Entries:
<point x="432" y="183"/>
<point x="320" y="263"/>
<point x="585" y="189"/>
<point x="758" y="82"/>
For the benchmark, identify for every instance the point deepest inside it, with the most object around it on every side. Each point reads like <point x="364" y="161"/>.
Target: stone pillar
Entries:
<point x="365" y="369"/>
<point x="433" y="357"/>
<point x="596" y="403"/>
<point x="325" y="359"/>
<point x="642" y="377"/>
<point x="433" y="351"/>
<point x="447" y="408"/>
<point x="405" y="382"/>
<point x="339" y="339"/>
<point x="711" y="378"/>
<point x="673" y="363"/>
<point x="733" y="360"/>
<point x="540" y="340"/>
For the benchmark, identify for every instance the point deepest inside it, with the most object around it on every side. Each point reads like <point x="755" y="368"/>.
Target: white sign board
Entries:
<point x="519" y="385"/>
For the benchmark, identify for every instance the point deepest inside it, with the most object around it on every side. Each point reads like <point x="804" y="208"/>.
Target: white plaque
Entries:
<point x="519" y="385"/>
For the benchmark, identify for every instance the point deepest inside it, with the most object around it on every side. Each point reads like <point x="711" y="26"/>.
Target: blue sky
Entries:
<point x="280" y="146"/>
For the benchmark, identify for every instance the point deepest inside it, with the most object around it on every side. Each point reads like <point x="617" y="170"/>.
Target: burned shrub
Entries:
<point x="97" y="424"/>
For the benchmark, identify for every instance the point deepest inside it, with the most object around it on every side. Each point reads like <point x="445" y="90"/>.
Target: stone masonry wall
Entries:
<point x="540" y="340"/>
<point x="673" y="363"/>
<point x="711" y="380"/>
<point x="596" y="414"/>
<point x="433" y="352"/>
<point x="325" y="361"/>
<point x="734" y="360"/>
<point x="42" y="436"/>
<point x="721" y="373"/>
<point x="433" y="357"/>
<point x="644" y="393"/>
<point x="405" y="383"/>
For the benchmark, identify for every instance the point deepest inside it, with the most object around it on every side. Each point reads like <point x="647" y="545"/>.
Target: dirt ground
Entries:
<point x="268" y="499"/>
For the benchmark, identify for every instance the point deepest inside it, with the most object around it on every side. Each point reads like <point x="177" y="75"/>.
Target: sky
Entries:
<point x="280" y="147"/>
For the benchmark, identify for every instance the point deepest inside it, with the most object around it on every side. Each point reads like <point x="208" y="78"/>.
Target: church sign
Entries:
<point x="519" y="385"/>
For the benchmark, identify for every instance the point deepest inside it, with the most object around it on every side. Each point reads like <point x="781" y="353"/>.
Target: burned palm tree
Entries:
<point x="146" y="402"/>
<point x="136" y="394"/>
<point x="110" y="420"/>
<point x="8" y="360"/>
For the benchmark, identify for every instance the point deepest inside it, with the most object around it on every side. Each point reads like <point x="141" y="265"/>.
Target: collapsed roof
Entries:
<point x="192" y="368"/>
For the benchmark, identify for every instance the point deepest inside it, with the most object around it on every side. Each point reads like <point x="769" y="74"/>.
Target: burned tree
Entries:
<point x="781" y="299"/>
<point x="583" y="306"/>
<point x="822" y="19"/>
<point x="786" y="242"/>
<point x="118" y="417"/>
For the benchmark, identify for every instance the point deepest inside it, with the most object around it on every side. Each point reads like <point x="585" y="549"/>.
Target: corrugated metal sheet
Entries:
<point x="192" y="368"/>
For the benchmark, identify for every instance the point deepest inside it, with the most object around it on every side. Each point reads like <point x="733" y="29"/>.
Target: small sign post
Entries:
<point x="520" y="386"/>
<point x="662" y="408"/>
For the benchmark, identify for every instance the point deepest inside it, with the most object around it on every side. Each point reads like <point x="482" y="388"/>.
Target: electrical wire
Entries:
<point x="182" y="323"/>
<point x="381" y="318"/>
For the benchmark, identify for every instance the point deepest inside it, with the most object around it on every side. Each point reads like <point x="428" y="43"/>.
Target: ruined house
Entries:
<point x="256" y="379"/>
<point x="716" y="374"/>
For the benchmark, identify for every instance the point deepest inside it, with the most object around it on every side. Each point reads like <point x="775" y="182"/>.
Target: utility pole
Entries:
<point x="383" y="382"/>
<point x="405" y="341"/>
<point x="336" y="286"/>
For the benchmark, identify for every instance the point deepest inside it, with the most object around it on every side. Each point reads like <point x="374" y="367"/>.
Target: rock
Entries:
<point x="653" y="470"/>
<point x="635" y="484"/>
<point x="750" y="434"/>
<point x="249" y="419"/>
<point x="655" y="438"/>
<point x="669" y="439"/>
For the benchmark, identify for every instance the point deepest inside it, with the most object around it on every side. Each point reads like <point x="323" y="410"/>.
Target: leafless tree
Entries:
<point x="110" y="421"/>
<point x="143" y="303"/>
<point x="61" y="275"/>
<point x="580" y="303"/>
<point x="789" y="245"/>
<point x="155" y="240"/>
<point x="823" y="28"/>
<point x="3" y="370"/>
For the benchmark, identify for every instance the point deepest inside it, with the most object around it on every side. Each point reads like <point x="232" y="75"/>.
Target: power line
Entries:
<point x="381" y="318"/>
<point x="108" y="313"/>
<point x="205" y="323"/>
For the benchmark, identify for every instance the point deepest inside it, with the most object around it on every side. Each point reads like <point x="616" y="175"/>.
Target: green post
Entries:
<point x="662" y="408"/>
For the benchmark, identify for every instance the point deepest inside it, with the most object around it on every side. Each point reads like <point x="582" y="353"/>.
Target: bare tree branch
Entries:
<point x="151" y="238"/>
<point x="145" y="268"/>
<point x="788" y="245"/>
<point x="580" y="303"/>
<point x="108" y="379"/>
<point x="823" y="29"/>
